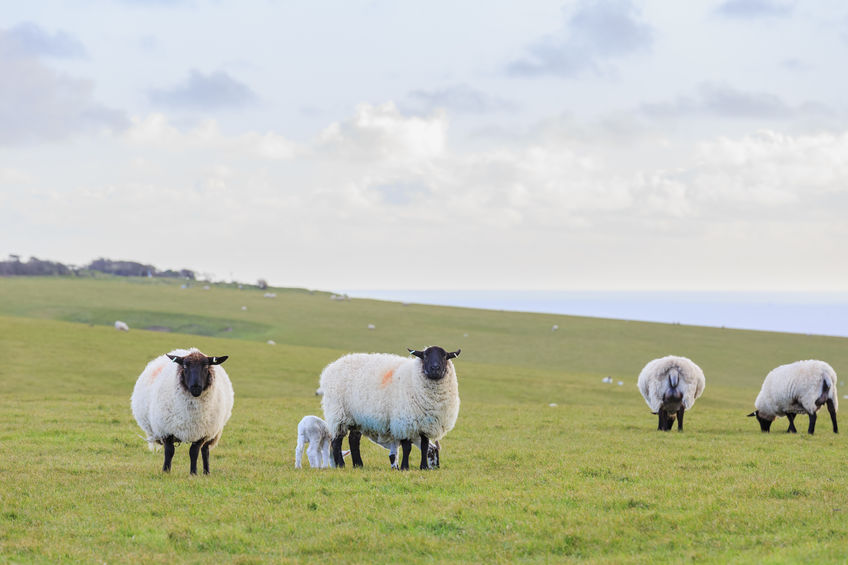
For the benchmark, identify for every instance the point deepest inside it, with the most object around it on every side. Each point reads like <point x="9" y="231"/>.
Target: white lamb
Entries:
<point x="797" y="388"/>
<point x="314" y="431"/>
<point x="121" y="326"/>
<point x="670" y="385"/>
<point x="388" y="396"/>
<point x="183" y="396"/>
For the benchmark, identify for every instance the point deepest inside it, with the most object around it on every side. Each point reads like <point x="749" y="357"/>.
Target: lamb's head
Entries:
<point x="673" y="395"/>
<point x="195" y="373"/>
<point x="765" y="422"/>
<point x="434" y="361"/>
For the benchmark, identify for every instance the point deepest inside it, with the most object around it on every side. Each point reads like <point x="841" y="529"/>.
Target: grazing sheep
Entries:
<point x="797" y="388"/>
<point x="388" y="396"/>
<point x="121" y="326"/>
<point x="314" y="431"/>
<point x="183" y="396"/>
<point x="390" y="443"/>
<point x="670" y="385"/>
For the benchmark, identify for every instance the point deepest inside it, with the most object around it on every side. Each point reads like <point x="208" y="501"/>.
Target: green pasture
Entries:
<point x="587" y="479"/>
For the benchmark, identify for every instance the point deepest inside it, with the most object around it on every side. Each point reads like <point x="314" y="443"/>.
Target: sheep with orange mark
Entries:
<point x="183" y="397"/>
<point x="392" y="399"/>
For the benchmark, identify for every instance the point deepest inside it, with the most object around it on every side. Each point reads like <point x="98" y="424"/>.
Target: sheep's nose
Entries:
<point x="195" y="391"/>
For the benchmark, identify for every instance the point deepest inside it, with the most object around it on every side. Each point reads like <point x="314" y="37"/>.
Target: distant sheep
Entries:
<point x="183" y="397"/>
<point x="797" y="388"/>
<point x="382" y="395"/>
<point x="313" y="430"/>
<point x="670" y="385"/>
<point x="121" y="326"/>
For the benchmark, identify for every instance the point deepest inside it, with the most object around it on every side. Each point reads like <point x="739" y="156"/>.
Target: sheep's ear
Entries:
<point x="217" y="360"/>
<point x="754" y="413"/>
<point x="453" y="354"/>
<point x="419" y="354"/>
<point x="176" y="359"/>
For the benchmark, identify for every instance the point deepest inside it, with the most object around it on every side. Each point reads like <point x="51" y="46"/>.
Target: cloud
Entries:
<point x="211" y="91"/>
<point x="723" y="101"/>
<point x="383" y="133"/>
<point x="39" y="104"/>
<point x="29" y="40"/>
<point x="753" y="9"/>
<point x="460" y="98"/>
<point x="594" y="33"/>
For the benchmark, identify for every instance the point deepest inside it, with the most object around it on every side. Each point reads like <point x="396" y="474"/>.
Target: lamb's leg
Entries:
<point x="204" y="453"/>
<point x="168" y="442"/>
<point x="325" y="452"/>
<point x="425" y="444"/>
<point x="337" y="450"/>
<point x="192" y="454"/>
<point x="812" y="427"/>
<point x="393" y="456"/>
<point x="661" y="424"/>
<point x="832" y="409"/>
<point x="791" y="429"/>
<point x="313" y="453"/>
<point x="298" y="453"/>
<point x="353" y="441"/>
<point x="680" y="418"/>
<point x="406" y="447"/>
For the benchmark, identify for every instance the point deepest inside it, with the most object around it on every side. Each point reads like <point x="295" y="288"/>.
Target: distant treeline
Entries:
<point x="38" y="268"/>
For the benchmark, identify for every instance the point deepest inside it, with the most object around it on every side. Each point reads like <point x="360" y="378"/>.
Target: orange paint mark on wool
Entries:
<point x="387" y="378"/>
<point x="155" y="373"/>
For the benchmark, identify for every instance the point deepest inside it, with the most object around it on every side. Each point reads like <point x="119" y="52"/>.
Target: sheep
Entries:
<point x="433" y="449"/>
<point x="314" y="431"/>
<point x="383" y="395"/>
<point x="183" y="396"/>
<point x="121" y="326"/>
<point x="797" y="388"/>
<point x="670" y="385"/>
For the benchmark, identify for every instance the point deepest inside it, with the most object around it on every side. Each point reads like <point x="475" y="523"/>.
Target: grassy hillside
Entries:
<point x="587" y="479"/>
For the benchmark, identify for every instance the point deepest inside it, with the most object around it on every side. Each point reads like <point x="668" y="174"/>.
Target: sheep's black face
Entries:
<point x="195" y="373"/>
<point x="765" y="424"/>
<point x="434" y="361"/>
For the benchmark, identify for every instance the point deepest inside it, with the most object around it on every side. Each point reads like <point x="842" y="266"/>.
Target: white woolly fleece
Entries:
<point x="385" y="395"/>
<point x="162" y="407"/>
<point x="794" y="388"/>
<point x="653" y="381"/>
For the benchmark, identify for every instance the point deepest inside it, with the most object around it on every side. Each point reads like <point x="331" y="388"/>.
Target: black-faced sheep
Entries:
<point x="670" y="385"/>
<point x="183" y="396"/>
<point x="797" y="388"/>
<point x="383" y="395"/>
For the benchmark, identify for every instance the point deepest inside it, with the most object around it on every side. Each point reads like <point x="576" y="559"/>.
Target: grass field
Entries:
<point x="521" y="481"/>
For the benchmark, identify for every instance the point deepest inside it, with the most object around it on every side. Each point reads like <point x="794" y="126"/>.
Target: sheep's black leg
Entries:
<point x="832" y="409"/>
<point x="406" y="447"/>
<point x="204" y="452"/>
<point x="680" y="419"/>
<point x="353" y="440"/>
<point x="812" y="423"/>
<point x="425" y="445"/>
<point x="791" y="429"/>
<point x="661" y="415"/>
<point x="192" y="454"/>
<point x="337" y="450"/>
<point x="168" y="442"/>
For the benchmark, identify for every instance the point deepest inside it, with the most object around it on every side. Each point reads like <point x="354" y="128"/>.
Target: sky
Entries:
<point x="543" y="145"/>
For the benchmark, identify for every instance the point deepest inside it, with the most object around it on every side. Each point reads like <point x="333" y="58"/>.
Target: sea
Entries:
<point x="824" y="313"/>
